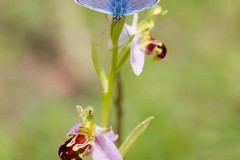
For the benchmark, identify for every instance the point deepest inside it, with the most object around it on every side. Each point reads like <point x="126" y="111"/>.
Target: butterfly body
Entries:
<point x="118" y="8"/>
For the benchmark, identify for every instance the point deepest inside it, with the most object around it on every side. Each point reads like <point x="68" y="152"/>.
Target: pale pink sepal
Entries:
<point x="137" y="56"/>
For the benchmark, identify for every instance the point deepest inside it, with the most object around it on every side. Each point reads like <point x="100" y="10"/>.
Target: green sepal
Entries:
<point x="99" y="69"/>
<point x="87" y="116"/>
<point x="132" y="137"/>
<point x="148" y="23"/>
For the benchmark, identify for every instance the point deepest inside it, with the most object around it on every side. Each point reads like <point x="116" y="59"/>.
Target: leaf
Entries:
<point x="132" y="137"/>
<point x="99" y="69"/>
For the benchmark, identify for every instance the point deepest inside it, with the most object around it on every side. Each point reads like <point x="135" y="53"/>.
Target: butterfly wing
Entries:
<point x="134" y="6"/>
<point x="104" y="6"/>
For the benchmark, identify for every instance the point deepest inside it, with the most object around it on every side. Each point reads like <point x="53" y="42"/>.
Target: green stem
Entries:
<point x="107" y="96"/>
<point x="106" y="100"/>
<point x="116" y="29"/>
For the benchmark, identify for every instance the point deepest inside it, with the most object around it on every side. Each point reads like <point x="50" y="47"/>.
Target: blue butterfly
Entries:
<point x="118" y="8"/>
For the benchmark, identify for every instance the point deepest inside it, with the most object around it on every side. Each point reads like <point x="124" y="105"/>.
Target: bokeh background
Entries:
<point x="194" y="94"/>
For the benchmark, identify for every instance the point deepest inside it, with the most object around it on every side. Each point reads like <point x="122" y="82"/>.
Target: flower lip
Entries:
<point x="73" y="147"/>
<point x="159" y="48"/>
<point x="150" y="47"/>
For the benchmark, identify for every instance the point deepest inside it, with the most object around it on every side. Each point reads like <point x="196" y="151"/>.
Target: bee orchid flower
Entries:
<point x="142" y="43"/>
<point x="88" y="139"/>
<point x="103" y="147"/>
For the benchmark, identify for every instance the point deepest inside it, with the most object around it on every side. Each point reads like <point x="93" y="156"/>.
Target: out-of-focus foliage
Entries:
<point x="46" y="70"/>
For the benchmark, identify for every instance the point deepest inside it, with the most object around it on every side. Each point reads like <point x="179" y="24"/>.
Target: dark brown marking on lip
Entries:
<point x="164" y="51"/>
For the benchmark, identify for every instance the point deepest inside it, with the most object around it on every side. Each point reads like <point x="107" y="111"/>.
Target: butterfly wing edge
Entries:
<point x="139" y="10"/>
<point x="93" y="8"/>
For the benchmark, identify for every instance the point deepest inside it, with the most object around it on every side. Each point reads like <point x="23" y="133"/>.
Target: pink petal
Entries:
<point x="105" y="149"/>
<point x="74" y="129"/>
<point x="137" y="56"/>
<point x="112" y="136"/>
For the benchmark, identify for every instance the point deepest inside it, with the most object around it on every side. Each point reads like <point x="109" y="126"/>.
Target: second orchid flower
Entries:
<point x="142" y="43"/>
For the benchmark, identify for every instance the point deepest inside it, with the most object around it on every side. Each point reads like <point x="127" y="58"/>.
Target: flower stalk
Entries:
<point x="116" y="29"/>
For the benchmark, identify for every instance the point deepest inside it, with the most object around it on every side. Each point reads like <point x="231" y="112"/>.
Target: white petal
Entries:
<point x="137" y="56"/>
<point x="130" y="30"/>
<point x="125" y="35"/>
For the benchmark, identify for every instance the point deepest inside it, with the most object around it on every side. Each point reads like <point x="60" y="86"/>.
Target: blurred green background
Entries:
<point x="194" y="94"/>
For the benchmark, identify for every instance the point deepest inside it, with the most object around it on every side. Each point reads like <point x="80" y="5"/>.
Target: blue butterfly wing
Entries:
<point x="134" y="6"/>
<point x="104" y="6"/>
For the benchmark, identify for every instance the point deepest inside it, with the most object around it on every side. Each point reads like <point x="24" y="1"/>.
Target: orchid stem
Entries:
<point x="106" y="101"/>
<point x="116" y="29"/>
<point x="107" y="96"/>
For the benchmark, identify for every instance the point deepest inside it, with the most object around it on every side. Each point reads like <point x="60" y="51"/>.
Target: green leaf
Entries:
<point x="132" y="137"/>
<point x="99" y="69"/>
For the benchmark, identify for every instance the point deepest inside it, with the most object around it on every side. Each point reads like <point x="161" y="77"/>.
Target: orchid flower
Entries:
<point x="143" y="43"/>
<point x="88" y="139"/>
